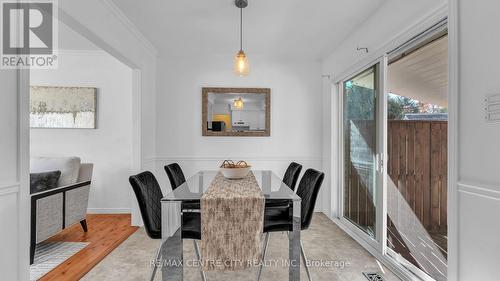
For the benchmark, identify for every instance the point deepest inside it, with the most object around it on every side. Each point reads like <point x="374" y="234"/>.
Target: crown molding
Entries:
<point x="127" y="23"/>
<point x="83" y="52"/>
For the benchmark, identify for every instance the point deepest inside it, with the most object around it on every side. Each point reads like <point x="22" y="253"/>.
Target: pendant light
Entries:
<point x="238" y="104"/>
<point x="241" y="67"/>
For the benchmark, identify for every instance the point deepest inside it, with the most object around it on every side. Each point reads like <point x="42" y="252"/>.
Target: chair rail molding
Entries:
<point x="486" y="191"/>
<point x="249" y="158"/>
<point x="10" y="188"/>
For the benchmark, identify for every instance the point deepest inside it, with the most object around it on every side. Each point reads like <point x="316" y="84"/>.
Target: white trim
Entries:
<point x="334" y="153"/>
<point x="127" y="23"/>
<point x="99" y="52"/>
<point x="23" y="171"/>
<point x="137" y="162"/>
<point x="488" y="192"/>
<point x="109" y="211"/>
<point x="381" y="190"/>
<point x="9" y="189"/>
<point x="421" y="24"/>
<point x="364" y="65"/>
<point x="453" y="121"/>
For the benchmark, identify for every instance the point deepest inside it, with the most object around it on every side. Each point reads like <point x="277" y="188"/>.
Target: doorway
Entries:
<point x="394" y="154"/>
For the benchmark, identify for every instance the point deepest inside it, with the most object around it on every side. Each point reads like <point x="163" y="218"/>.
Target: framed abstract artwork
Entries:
<point x="63" y="107"/>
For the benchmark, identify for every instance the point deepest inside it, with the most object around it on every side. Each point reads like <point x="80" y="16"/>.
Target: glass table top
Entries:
<point x="271" y="185"/>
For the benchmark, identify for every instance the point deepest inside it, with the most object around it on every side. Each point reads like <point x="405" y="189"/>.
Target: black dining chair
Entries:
<point x="149" y="195"/>
<point x="278" y="219"/>
<point x="292" y="175"/>
<point x="290" y="179"/>
<point x="176" y="177"/>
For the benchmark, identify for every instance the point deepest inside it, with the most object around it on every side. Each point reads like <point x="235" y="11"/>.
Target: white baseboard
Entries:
<point x="108" y="211"/>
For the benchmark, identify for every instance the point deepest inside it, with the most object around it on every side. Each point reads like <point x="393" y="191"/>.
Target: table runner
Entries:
<point x="232" y="217"/>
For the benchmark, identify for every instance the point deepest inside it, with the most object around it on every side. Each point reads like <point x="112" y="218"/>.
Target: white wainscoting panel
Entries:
<point x="8" y="231"/>
<point x="479" y="232"/>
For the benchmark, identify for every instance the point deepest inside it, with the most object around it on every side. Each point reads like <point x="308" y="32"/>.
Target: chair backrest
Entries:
<point x="292" y="175"/>
<point x="175" y="175"/>
<point x="149" y="195"/>
<point x="308" y="191"/>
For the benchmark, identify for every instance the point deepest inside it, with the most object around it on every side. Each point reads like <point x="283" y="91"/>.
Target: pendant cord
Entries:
<point x="241" y="29"/>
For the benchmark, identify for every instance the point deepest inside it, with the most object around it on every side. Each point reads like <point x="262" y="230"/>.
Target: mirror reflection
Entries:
<point x="236" y="113"/>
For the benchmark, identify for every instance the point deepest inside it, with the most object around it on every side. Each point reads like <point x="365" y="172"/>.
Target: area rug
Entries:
<point x="51" y="254"/>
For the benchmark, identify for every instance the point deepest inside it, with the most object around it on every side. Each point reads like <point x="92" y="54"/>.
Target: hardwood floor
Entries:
<point x="105" y="233"/>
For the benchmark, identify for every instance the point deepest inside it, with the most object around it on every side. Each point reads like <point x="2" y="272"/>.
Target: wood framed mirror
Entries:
<point x="244" y="112"/>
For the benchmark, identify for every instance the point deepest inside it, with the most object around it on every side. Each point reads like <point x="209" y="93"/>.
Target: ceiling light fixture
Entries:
<point x="241" y="67"/>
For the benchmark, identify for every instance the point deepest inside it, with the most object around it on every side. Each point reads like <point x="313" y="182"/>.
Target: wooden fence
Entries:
<point x="358" y="195"/>
<point x="417" y="166"/>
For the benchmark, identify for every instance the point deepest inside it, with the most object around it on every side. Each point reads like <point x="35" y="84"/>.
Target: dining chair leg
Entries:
<point x="266" y="242"/>
<point x="197" y="250"/>
<point x="303" y="254"/>
<point x="155" y="264"/>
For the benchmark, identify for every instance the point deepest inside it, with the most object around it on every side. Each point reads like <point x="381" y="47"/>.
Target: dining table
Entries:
<point x="273" y="189"/>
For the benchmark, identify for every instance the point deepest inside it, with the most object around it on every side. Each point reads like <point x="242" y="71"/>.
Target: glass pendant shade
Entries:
<point x="241" y="67"/>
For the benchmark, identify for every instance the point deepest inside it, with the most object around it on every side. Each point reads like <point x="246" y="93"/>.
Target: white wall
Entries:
<point x="478" y="147"/>
<point x="296" y="114"/>
<point x="109" y="146"/>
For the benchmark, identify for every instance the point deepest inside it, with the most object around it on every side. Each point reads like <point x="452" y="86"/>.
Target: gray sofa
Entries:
<point x="54" y="209"/>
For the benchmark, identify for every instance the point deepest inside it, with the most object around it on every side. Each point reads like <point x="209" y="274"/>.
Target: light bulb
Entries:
<point x="238" y="104"/>
<point x="241" y="67"/>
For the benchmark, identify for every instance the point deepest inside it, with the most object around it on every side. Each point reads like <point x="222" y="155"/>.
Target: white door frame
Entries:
<point x="24" y="170"/>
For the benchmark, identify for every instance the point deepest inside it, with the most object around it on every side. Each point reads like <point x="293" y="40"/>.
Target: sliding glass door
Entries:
<point x="417" y="86"/>
<point x="394" y="136"/>
<point x="360" y="149"/>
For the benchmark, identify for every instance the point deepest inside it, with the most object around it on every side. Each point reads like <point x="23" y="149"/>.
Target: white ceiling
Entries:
<point x="423" y="74"/>
<point x="285" y="28"/>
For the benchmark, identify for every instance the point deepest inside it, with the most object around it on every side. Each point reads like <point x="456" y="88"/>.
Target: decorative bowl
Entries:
<point x="234" y="171"/>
